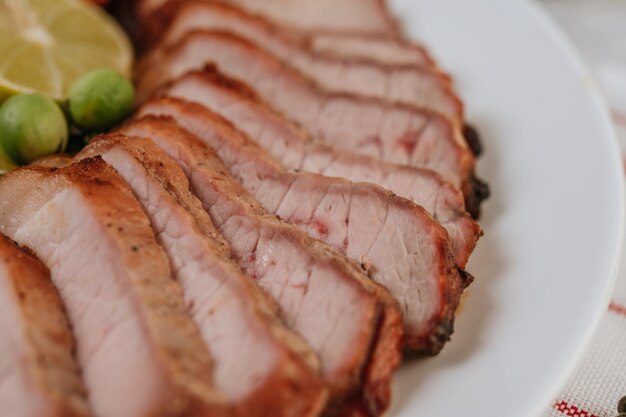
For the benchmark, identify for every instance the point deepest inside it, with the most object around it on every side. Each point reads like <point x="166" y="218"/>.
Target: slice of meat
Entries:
<point x="391" y="132"/>
<point x="418" y="86"/>
<point x="38" y="373"/>
<point x="361" y="16"/>
<point x="140" y="354"/>
<point x="261" y="368"/>
<point x="385" y="50"/>
<point x="361" y="46"/>
<point x="295" y="149"/>
<point x="349" y="321"/>
<point x="396" y="241"/>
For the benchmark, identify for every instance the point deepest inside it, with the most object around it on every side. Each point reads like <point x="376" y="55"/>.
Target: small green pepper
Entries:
<point x="100" y="99"/>
<point x="31" y="126"/>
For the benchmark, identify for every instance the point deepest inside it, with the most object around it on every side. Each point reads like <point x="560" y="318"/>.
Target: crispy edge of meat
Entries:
<point x="297" y="376"/>
<point x="385" y="356"/>
<point x="47" y="330"/>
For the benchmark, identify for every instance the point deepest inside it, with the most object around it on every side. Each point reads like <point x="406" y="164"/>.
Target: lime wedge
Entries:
<point x="46" y="44"/>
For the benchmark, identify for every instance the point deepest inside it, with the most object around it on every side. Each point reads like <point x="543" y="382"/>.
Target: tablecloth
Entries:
<point x="598" y="28"/>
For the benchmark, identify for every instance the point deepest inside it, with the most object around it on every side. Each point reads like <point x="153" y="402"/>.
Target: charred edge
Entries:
<point x="436" y="339"/>
<point x="440" y="336"/>
<point x="213" y="73"/>
<point x="472" y="137"/>
<point x="359" y="403"/>
<point x="350" y="409"/>
<point x="477" y="191"/>
<point x="466" y="277"/>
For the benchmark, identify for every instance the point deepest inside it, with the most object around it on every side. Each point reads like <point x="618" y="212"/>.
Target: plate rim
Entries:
<point x="549" y="22"/>
<point x="586" y="326"/>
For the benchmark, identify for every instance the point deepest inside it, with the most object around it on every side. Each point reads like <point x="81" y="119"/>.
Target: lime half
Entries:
<point x="46" y="44"/>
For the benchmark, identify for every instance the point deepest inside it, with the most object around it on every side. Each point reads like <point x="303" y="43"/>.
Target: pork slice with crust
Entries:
<point x="291" y="146"/>
<point x="381" y="49"/>
<point x="396" y="241"/>
<point x="351" y="323"/>
<point x="261" y="368"/>
<point x="140" y="353"/>
<point x="391" y="132"/>
<point x="360" y="46"/>
<point x="360" y="16"/>
<point x="38" y="372"/>
<point x="419" y="86"/>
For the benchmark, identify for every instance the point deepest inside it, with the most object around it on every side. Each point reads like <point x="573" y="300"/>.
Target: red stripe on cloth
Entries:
<point x="619" y="118"/>
<point x="617" y="309"/>
<point x="571" y="410"/>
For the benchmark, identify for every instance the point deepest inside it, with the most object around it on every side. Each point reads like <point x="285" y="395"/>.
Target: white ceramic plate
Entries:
<point x="553" y="226"/>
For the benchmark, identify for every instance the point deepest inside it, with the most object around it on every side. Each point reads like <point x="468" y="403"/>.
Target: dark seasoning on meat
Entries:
<point x="287" y="214"/>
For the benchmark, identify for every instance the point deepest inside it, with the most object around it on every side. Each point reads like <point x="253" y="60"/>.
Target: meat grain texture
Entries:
<point x="287" y="212"/>
<point x="421" y="86"/>
<point x="139" y="352"/>
<point x="291" y="146"/>
<point x="38" y="372"/>
<point x="397" y="242"/>
<point x="259" y="364"/>
<point x="389" y="131"/>
<point x="363" y="17"/>
<point x="358" y="336"/>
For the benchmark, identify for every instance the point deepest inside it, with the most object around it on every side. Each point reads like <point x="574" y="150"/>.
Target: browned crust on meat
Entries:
<point x="288" y="393"/>
<point x="351" y="369"/>
<point x="295" y="389"/>
<point x="399" y="41"/>
<point x="161" y="21"/>
<point x="212" y="73"/>
<point x="175" y="340"/>
<point x="476" y="191"/>
<point x="51" y="343"/>
<point x="375" y="398"/>
<point x="474" y="194"/>
<point x="156" y="27"/>
<point x="462" y="219"/>
<point x="429" y="340"/>
<point x="54" y="161"/>
<point x="465" y="160"/>
<point x="157" y="24"/>
<point x="392" y="31"/>
<point x="371" y="386"/>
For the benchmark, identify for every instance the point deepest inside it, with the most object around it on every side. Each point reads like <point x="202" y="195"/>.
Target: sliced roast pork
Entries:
<point x="370" y="47"/>
<point x="361" y="16"/>
<point x="391" y="132"/>
<point x="38" y="373"/>
<point x="349" y="321"/>
<point x="259" y="364"/>
<point x="295" y="149"/>
<point x="140" y="354"/>
<point x="396" y="241"/>
<point x="381" y="49"/>
<point x="418" y="86"/>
